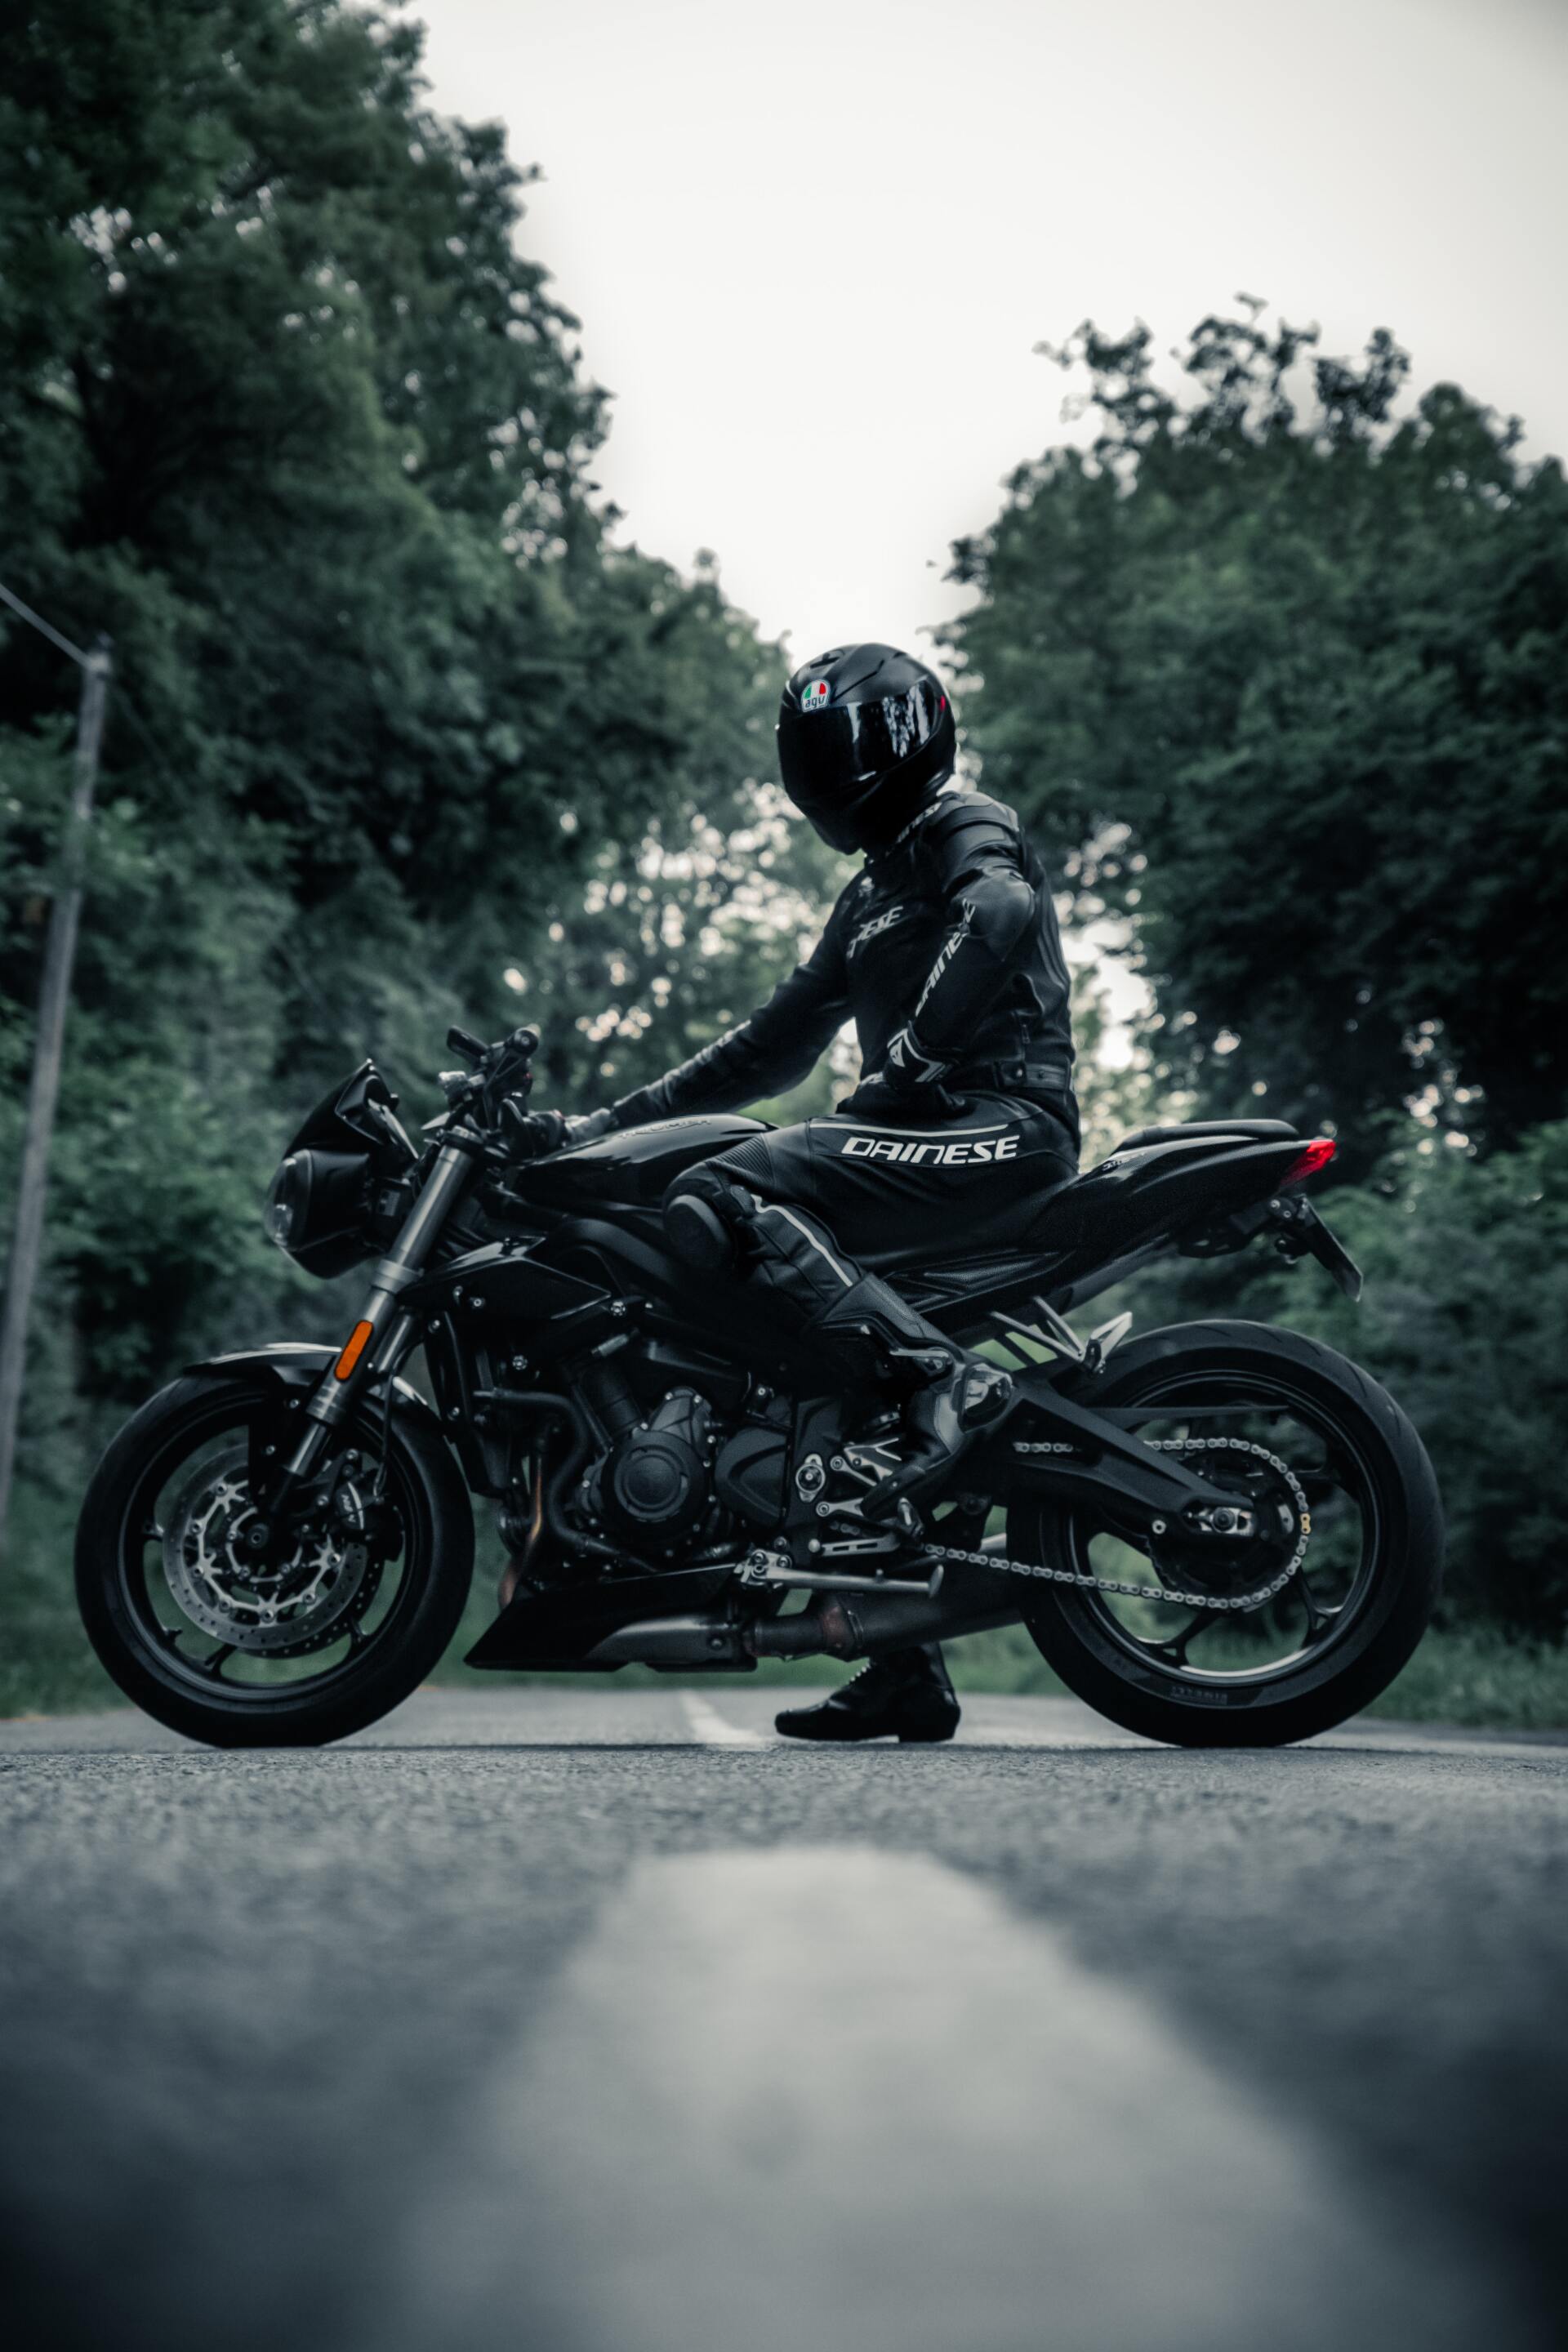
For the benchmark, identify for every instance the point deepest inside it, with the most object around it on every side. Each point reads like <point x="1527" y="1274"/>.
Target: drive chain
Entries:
<point x="1045" y="1574"/>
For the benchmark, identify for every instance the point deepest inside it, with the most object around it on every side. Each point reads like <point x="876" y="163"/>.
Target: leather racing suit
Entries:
<point x="945" y="952"/>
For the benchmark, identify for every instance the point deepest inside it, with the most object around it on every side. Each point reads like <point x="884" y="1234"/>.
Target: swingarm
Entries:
<point x="1046" y="1439"/>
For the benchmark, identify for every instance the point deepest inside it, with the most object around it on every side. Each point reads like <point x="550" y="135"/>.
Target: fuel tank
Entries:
<point x="633" y="1167"/>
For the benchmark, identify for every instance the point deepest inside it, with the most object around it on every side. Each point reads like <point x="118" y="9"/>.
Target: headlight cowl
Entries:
<point x="316" y="1210"/>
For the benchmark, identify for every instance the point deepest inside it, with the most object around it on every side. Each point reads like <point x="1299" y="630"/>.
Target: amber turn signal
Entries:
<point x="354" y="1350"/>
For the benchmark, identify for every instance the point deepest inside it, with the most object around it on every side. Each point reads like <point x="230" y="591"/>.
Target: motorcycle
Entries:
<point x="1218" y="1534"/>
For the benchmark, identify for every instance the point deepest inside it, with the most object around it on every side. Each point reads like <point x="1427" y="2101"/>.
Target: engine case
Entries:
<point x="656" y="1484"/>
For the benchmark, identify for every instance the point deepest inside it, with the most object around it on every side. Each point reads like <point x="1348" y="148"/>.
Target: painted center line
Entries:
<point x="834" y="2096"/>
<point x="713" y="1730"/>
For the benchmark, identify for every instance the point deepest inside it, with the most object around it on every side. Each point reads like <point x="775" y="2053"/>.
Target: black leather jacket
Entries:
<point x="944" y="951"/>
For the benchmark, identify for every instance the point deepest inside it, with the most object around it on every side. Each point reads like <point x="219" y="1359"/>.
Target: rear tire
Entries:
<point x="125" y="1611"/>
<point x="1337" y="1672"/>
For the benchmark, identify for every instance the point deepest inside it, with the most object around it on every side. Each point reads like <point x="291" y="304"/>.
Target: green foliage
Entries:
<point x="285" y="407"/>
<point x="1467" y="1298"/>
<point x="1284" y="677"/>
<point x="1280" y="675"/>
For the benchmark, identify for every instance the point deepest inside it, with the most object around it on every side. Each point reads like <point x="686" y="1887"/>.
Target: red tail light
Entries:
<point x="1313" y="1156"/>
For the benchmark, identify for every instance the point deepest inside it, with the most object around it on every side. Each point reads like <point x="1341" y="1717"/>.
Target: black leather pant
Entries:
<point x="827" y="1204"/>
<point x="810" y="1217"/>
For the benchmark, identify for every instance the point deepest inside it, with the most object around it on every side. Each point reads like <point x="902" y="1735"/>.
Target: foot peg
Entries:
<point x="940" y="1425"/>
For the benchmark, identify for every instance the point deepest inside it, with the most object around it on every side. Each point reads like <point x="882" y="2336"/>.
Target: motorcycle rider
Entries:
<point x="944" y="951"/>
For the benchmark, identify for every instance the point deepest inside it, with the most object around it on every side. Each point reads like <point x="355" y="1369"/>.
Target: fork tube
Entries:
<point x="455" y="1167"/>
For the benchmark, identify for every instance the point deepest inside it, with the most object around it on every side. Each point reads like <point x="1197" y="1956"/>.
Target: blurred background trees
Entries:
<point x="1285" y="676"/>
<point x="286" y="409"/>
<point x="1274" y="667"/>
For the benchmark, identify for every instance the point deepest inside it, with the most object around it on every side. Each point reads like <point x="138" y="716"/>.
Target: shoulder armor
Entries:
<point x="967" y="813"/>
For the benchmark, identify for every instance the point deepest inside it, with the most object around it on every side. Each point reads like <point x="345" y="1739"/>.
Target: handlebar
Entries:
<point x="497" y="1075"/>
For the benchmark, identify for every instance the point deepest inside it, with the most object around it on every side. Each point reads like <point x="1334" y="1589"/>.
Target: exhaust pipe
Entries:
<point x="841" y="1625"/>
<point x="863" y="1626"/>
<point x="674" y="1645"/>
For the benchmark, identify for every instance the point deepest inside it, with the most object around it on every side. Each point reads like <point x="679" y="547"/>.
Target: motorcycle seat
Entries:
<point x="1257" y="1130"/>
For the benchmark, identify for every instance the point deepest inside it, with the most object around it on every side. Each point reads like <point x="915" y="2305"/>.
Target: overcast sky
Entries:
<point x="813" y="247"/>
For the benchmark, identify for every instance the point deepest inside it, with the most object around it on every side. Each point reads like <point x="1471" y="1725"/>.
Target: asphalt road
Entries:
<point x="604" y="2022"/>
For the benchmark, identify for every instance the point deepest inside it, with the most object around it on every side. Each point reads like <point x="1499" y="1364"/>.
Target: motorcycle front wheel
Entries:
<point x="1299" y="1425"/>
<point x="309" y="1648"/>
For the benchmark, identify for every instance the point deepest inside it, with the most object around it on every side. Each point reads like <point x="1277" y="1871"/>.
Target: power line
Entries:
<point x="38" y="622"/>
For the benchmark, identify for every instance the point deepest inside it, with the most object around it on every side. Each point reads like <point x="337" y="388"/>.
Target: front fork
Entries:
<point x="384" y="1335"/>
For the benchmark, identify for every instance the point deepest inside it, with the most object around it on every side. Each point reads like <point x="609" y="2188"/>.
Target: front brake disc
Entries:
<point x="276" y="1610"/>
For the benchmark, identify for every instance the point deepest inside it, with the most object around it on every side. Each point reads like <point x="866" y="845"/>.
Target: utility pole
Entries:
<point x="54" y="994"/>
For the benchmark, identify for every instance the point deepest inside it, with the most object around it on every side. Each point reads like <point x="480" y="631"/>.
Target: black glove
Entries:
<point x="530" y="1134"/>
<point x="882" y="1104"/>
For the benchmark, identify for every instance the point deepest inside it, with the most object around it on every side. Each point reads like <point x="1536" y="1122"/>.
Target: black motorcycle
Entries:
<point x="1220" y="1534"/>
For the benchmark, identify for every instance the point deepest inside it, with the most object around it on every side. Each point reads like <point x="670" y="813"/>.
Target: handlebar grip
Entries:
<point x="463" y="1041"/>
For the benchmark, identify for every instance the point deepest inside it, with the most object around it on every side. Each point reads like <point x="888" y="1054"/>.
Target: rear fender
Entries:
<point x="1157" y="1195"/>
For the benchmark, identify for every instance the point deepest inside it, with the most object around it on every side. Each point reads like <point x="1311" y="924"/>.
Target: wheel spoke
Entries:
<point x="1318" y="1617"/>
<point x="1318" y="1485"/>
<point x="213" y="1664"/>
<point x="1174" y="1650"/>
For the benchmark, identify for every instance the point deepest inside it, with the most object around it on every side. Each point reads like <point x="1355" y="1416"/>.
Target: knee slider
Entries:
<point x="704" y="1214"/>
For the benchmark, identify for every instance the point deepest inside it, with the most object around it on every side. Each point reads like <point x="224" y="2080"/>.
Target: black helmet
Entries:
<point x="866" y="735"/>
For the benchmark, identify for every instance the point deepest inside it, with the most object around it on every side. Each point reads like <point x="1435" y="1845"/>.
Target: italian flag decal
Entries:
<point x="816" y="695"/>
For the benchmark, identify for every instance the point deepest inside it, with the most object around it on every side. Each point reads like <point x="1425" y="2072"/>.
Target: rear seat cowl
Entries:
<point x="1251" y="1131"/>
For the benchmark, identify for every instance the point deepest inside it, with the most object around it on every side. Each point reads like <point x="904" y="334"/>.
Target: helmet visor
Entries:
<point x="828" y="758"/>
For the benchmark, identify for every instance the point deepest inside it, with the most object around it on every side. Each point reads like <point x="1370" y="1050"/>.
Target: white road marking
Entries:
<point x="845" y="2097"/>
<point x="713" y="1728"/>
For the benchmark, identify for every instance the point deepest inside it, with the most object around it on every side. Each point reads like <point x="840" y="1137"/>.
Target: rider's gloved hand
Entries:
<point x="531" y="1134"/>
<point x="898" y="1097"/>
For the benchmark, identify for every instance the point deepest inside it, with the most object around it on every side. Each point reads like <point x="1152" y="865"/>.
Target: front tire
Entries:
<point x="1338" y="1636"/>
<point x="169" y="1623"/>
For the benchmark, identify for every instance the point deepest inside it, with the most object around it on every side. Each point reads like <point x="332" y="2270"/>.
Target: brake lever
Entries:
<point x="463" y="1041"/>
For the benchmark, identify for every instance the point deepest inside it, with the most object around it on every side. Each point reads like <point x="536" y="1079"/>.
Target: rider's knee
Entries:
<point x="705" y="1212"/>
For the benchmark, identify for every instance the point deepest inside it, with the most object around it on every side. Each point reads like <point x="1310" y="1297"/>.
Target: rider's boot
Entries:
<point x="948" y="1396"/>
<point x="905" y="1696"/>
<point x="866" y="1336"/>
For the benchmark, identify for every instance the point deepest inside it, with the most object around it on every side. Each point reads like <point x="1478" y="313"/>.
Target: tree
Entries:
<point x="286" y="408"/>
<point x="1282" y="675"/>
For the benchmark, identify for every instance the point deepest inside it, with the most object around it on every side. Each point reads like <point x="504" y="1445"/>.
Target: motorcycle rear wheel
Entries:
<point x="159" y="1620"/>
<point x="1358" y="1606"/>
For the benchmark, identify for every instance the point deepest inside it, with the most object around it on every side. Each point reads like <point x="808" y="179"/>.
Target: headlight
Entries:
<point x="285" y="1202"/>
<point x="318" y="1210"/>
